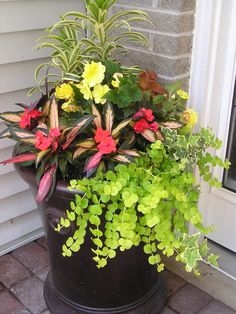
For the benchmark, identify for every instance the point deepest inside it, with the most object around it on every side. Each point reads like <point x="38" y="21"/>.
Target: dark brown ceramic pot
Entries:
<point x="127" y="285"/>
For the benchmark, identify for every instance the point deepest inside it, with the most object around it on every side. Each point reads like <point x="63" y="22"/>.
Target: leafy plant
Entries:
<point x="149" y="202"/>
<point x="79" y="37"/>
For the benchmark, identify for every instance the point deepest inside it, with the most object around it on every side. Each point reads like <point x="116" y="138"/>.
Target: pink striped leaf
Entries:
<point x="12" y="117"/>
<point x="94" y="161"/>
<point x="149" y="135"/>
<point x="53" y="116"/>
<point x="81" y="125"/>
<point x="45" y="184"/>
<point x="20" y="158"/>
<point x="98" y="119"/>
<point x="129" y="152"/>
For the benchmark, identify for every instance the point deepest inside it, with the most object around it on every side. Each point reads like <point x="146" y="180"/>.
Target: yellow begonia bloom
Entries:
<point x="94" y="73"/>
<point x="85" y="90"/>
<point x="182" y="94"/>
<point x="65" y="91"/>
<point x="98" y="92"/>
<point x="190" y="118"/>
<point x="116" y="81"/>
<point x="69" y="107"/>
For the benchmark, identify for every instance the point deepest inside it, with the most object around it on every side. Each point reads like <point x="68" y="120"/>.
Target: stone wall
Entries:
<point x="171" y="37"/>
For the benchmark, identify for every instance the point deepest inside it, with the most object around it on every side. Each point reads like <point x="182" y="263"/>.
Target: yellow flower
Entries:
<point x="116" y="81"/>
<point x="98" y="92"/>
<point x="94" y="73"/>
<point x="68" y="106"/>
<point x="182" y="94"/>
<point x="190" y="118"/>
<point x="65" y="91"/>
<point x="85" y="90"/>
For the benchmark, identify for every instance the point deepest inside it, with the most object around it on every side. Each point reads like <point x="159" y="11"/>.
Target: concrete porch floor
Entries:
<point x="23" y="272"/>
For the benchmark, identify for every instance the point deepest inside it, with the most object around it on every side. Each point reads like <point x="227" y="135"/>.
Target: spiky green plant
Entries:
<point x="77" y="37"/>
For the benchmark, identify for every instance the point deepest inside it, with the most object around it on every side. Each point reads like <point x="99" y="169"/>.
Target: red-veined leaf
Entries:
<point x="45" y="184"/>
<point x="172" y="124"/>
<point x="94" y="161"/>
<point x="159" y="136"/>
<point x="149" y="135"/>
<point x="79" y="151"/>
<point x="19" y="158"/>
<point x="98" y="120"/>
<point x="129" y="152"/>
<point x="120" y="126"/>
<point x="12" y="117"/>
<point x="108" y="116"/>
<point x="81" y="125"/>
<point x="89" y="143"/>
<point x="53" y="115"/>
<point x="40" y="156"/>
<point x="124" y="159"/>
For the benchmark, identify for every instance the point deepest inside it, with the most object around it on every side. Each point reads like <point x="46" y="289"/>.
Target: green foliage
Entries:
<point x="128" y="93"/>
<point x="149" y="203"/>
<point x="78" y="37"/>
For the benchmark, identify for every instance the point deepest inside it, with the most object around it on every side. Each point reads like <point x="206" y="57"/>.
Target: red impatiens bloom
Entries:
<point x="140" y="126"/>
<point x="144" y="113"/>
<point x="28" y="116"/>
<point x="101" y="135"/>
<point x="148" y="114"/>
<point x="107" y="146"/>
<point x="154" y="126"/>
<point x="44" y="142"/>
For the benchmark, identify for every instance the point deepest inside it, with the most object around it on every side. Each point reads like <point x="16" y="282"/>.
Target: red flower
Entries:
<point x="43" y="142"/>
<point x="140" y="126"/>
<point x="148" y="114"/>
<point x="28" y="116"/>
<point x="138" y="115"/>
<point x="101" y="135"/>
<point x="107" y="146"/>
<point x="154" y="126"/>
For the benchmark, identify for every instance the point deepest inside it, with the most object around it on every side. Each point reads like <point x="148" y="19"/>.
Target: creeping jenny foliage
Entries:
<point x="150" y="203"/>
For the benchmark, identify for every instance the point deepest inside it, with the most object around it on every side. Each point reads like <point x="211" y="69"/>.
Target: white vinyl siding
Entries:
<point x="21" y="23"/>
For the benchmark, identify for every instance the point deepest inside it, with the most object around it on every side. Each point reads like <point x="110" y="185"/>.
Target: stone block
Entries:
<point x="33" y="256"/>
<point x="164" y="22"/>
<point x="216" y="307"/>
<point x="139" y="3"/>
<point x="172" y="45"/>
<point x="30" y="293"/>
<point x="162" y="65"/>
<point x="189" y="299"/>
<point x="8" y="304"/>
<point x="173" y="282"/>
<point x="11" y="271"/>
<point x="180" y="5"/>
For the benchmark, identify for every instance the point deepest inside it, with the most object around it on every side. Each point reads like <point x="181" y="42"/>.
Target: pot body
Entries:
<point x="127" y="285"/>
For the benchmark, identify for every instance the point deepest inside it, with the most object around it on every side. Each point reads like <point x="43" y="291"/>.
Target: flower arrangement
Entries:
<point x="124" y="141"/>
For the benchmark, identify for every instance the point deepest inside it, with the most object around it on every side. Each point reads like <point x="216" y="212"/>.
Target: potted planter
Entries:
<point x="125" y="147"/>
<point x="128" y="285"/>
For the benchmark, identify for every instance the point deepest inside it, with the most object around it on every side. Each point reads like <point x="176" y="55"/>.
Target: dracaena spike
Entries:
<point x="45" y="184"/>
<point x="19" y="158"/>
<point x="94" y="161"/>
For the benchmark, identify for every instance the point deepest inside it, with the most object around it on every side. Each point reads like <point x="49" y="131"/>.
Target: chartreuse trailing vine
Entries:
<point x="149" y="202"/>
